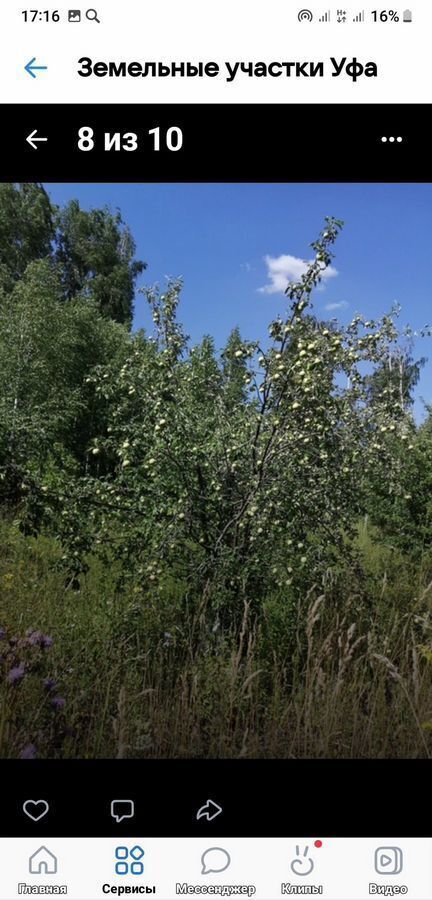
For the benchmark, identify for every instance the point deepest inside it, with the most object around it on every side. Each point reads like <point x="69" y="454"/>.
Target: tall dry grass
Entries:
<point x="332" y="675"/>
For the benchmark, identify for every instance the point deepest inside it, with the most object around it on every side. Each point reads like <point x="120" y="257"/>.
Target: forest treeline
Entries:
<point x="205" y="551"/>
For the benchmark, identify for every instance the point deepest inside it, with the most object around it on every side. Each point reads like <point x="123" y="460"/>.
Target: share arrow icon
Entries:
<point x="209" y="811"/>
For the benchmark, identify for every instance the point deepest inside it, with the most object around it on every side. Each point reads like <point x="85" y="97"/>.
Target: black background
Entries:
<point x="263" y="797"/>
<point x="270" y="798"/>
<point x="222" y="143"/>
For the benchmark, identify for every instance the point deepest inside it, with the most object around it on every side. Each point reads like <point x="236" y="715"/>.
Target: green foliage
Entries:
<point x="26" y="229"/>
<point x="245" y="473"/>
<point x="46" y="350"/>
<point x="234" y="370"/>
<point x="95" y="252"/>
<point x="396" y="378"/>
<point x="329" y="675"/>
<point x="199" y="508"/>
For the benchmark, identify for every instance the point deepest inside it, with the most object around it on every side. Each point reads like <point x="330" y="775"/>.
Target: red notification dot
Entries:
<point x="318" y="844"/>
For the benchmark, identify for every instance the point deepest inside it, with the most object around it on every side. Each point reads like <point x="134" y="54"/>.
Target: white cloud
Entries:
<point x="332" y="306"/>
<point x="285" y="268"/>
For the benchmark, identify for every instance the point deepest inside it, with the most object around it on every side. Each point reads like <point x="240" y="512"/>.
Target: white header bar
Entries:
<point x="40" y="50"/>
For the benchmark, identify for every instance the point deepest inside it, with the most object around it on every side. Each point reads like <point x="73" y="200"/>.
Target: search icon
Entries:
<point x="92" y="15"/>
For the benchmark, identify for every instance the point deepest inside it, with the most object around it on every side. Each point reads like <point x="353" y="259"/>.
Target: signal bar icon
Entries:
<point x="325" y="17"/>
<point x="360" y="17"/>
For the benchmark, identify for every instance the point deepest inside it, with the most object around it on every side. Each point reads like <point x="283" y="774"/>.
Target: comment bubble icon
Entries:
<point x="122" y="809"/>
<point x="215" y="859"/>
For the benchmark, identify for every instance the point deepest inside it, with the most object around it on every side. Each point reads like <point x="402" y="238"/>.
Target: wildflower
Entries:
<point x="38" y="639"/>
<point x="49" y="684"/>
<point x="33" y="637"/>
<point x="2" y="633"/>
<point x="46" y="641"/>
<point x="16" y="674"/>
<point x="29" y="752"/>
<point x="58" y="702"/>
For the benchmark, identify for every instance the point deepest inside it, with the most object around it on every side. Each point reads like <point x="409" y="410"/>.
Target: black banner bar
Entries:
<point x="339" y="798"/>
<point x="238" y="143"/>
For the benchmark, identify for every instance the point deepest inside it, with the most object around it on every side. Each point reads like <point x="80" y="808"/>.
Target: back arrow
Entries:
<point x="31" y="139"/>
<point x="209" y="811"/>
<point x="31" y="69"/>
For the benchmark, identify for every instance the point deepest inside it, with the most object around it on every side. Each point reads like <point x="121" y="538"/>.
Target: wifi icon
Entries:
<point x="305" y="15"/>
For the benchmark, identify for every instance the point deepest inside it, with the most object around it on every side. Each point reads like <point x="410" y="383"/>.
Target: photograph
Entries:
<point x="215" y="471"/>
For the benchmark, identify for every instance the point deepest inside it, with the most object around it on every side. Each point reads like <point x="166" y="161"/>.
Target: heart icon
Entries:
<point x="36" y="809"/>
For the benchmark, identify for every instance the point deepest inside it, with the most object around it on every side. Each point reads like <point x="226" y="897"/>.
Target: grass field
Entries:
<point x="347" y="672"/>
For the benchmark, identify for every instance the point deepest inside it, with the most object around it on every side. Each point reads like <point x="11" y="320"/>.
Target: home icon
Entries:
<point x="43" y="862"/>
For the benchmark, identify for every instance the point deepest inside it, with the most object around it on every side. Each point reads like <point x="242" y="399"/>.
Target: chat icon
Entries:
<point x="122" y="809"/>
<point x="215" y="859"/>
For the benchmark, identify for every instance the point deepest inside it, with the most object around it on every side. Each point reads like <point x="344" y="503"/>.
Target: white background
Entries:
<point x="343" y="866"/>
<point x="231" y="30"/>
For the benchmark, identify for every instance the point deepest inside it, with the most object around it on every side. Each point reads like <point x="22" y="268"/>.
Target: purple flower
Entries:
<point x="2" y="633"/>
<point x="58" y="702"/>
<point x="33" y="637"/>
<point x="49" y="684"/>
<point x="29" y="752"/>
<point x="16" y="674"/>
<point x="46" y="641"/>
<point x="37" y="639"/>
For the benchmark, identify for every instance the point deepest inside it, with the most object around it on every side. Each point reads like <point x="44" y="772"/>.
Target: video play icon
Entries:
<point x="388" y="860"/>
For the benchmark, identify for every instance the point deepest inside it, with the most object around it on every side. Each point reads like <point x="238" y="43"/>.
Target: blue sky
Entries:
<point x="229" y="241"/>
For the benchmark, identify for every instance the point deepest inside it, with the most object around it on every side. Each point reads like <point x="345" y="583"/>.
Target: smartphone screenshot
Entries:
<point x="215" y="450"/>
